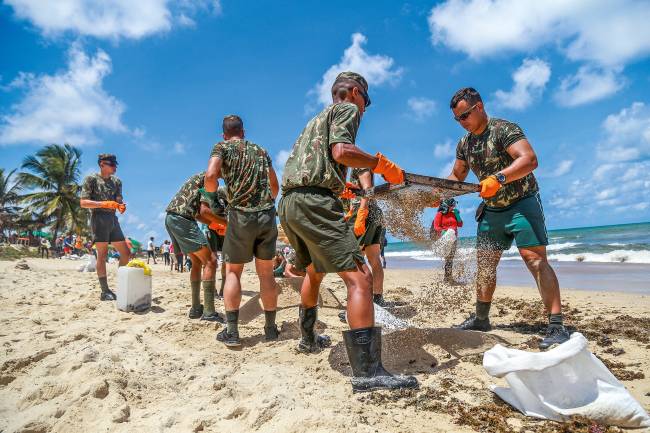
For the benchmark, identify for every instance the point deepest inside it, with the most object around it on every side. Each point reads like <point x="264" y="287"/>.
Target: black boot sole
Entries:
<point x="323" y="341"/>
<point x="369" y="384"/>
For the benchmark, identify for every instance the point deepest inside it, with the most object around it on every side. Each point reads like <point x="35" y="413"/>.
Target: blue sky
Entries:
<point x="151" y="80"/>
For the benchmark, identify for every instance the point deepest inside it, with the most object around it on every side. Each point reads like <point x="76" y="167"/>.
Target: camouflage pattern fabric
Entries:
<point x="221" y="202"/>
<point x="375" y="215"/>
<point x="311" y="163"/>
<point x="486" y="155"/>
<point x="96" y="188"/>
<point x="245" y="169"/>
<point x="187" y="200"/>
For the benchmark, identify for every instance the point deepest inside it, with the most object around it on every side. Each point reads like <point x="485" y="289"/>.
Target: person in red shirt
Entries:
<point x="447" y="218"/>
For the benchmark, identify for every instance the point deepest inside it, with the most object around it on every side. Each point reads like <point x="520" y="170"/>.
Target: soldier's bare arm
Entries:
<point x="213" y="174"/>
<point x="273" y="178"/>
<point x="365" y="179"/>
<point x="459" y="171"/>
<point x="206" y="216"/>
<point x="525" y="160"/>
<point x="351" y="156"/>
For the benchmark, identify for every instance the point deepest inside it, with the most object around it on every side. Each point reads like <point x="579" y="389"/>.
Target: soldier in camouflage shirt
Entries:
<point x="252" y="186"/>
<point x="183" y="212"/>
<point x="503" y="160"/>
<point x="312" y="217"/>
<point x="102" y="194"/>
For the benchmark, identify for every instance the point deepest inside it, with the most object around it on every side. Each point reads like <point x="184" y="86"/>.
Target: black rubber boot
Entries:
<point x="368" y="374"/>
<point x="310" y="341"/>
<point x="473" y="323"/>
<point x="555" y="334"/>
<point x="107" y="294"/>
<point x="229" y="339"/>
<point x="195" y="312"/>
<point x="271" y="333"/>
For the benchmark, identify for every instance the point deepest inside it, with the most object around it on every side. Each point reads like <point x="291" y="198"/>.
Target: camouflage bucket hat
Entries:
<point x="106" y="157"/>
<point x="358" y="78"/>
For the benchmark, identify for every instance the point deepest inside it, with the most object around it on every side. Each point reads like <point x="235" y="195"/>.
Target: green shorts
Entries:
<point x="250" y="234"/>
<point x="522" y="221"/>
<point x="374" y="234"/>
<point x="312" y="219"/>
<point x="185" y="234"/>
<point x="215" y="242"/>
<point x="105" y="227"/>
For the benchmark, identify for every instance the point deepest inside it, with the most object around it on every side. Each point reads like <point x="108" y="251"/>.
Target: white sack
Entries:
<point x="564" y="381"/>
<point x="90" y="265"/>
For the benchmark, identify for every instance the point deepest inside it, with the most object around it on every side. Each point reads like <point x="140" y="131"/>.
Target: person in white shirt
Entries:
<point x="151" y="252"/>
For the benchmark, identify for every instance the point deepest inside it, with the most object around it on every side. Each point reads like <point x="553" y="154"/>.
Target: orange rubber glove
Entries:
<point x="489" y="187"/>
<point x="348" y="215"/>
<point x="390" y="171"/>
<point x="435" y="203"/>
<point x="347" y="192"/>
<point x="122" y="207"/>
<point x="360" y="222"/>
<point x="109" y="204"/>
<point x="217" y="227"/>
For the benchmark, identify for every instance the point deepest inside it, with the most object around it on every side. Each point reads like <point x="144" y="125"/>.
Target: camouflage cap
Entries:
<point x="354" y="77"/>
<point x="107" y="157"/>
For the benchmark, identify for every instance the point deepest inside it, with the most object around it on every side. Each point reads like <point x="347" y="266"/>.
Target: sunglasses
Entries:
<point x="364" y="95"/>
<point x="465" y="114"/>
<point x="110" y="164"/>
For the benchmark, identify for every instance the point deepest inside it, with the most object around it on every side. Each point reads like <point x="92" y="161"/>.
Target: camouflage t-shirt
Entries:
<point x="245" y="169"/>
<point x="374" y="211"/>
<point x="486" y="155"/>
<point x="96" y="188"/>
<point x="311" y="162"/>
<point x="187" y="200"/>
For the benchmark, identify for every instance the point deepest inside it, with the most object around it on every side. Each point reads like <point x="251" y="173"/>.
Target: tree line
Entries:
<point x="44" y="194"/>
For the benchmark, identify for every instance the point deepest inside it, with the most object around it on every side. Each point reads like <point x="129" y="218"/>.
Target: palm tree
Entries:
<point x="54" y="180"/>
<point x="9" y="198"/>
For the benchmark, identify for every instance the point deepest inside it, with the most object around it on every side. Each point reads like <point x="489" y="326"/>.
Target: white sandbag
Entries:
<point x="90" y="265"/>
<point x="564" y="381"/>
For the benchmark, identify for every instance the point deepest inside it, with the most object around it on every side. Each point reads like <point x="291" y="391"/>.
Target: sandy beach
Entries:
<point x="72" y="364"/>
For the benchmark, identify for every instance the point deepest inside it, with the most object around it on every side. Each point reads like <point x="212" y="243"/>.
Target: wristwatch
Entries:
<point x="501" y="178"/>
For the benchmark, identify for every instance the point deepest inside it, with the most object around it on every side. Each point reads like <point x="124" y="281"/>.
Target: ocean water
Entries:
<point x="625" y="243"/>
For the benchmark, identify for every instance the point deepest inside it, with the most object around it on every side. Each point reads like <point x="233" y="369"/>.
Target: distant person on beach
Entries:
<point x="165" y="251"/>
<point x="102" y="194"/>
<point x="67" y="245"/>
<point x="368" y="228"/>
<point x="311" y="215"/>
<point x="501" y="157"/>
<point x="279" y="264"/>
<point x="151" y="251"/>
<point x="447" y="218"/>
<point x="290" y="269"/>
<point x="183" y="212"/>
<point x="251" y="186"/>
<point x="45" y="248"/>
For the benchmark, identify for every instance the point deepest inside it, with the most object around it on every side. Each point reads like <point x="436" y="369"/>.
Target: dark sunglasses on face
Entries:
<point x="465" y="114"/>
<point x="110" y="164"/>
<point x="364" y="95"/>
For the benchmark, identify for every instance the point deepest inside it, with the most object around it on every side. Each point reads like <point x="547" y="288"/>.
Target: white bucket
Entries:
<point x="133" y="289"/>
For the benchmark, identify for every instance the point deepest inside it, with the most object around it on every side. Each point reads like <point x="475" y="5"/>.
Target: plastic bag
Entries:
<point x="565" y="381"/>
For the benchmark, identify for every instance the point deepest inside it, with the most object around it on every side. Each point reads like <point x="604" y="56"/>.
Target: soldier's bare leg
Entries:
<point x="102" y="254"/>
<point x="310" y="287"/>
<point x="123" y="249"/>
<point x="547" y="284"/>
<point x="373" y="252"/>
<point x="269" y="296"/>
<point x="360" y="309"/>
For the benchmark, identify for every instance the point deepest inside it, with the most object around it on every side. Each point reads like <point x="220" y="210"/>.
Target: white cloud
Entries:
<point x="444" y="150"/>
<point x="627" y="134"/>
<point x="67" y="107"/>
<point x="606" y="33"/>
<point x="376" y="69"/>
<point x="529" y="82"/>
<point x="421" y="107"/>
<point x="281" y="158"/>
<point x="563" y="168"/>
<point x="179" y="148"/>
<point x="112" y="20"/>
<point x="587" y="85"/>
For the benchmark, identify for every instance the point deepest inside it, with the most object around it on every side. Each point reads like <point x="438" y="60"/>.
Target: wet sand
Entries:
<point x="72" y="364"/>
